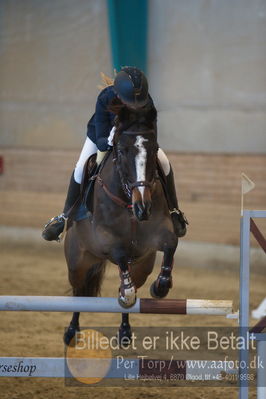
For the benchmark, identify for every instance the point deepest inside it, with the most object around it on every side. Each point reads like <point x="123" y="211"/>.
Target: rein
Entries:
<point x="117" y="200"/>
<point x="113" y="197"/>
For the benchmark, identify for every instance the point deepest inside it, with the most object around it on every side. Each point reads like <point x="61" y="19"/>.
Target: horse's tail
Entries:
<point x="93" y="280"/>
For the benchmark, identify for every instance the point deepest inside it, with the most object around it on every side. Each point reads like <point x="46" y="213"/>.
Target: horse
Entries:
<point x="130" y="221"/>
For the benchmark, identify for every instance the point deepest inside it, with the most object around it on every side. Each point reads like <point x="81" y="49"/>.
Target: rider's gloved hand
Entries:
<point x="111" y="137"/>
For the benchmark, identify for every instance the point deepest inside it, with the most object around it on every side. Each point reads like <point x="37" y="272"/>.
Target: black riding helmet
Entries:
<point x="131" y="86"/>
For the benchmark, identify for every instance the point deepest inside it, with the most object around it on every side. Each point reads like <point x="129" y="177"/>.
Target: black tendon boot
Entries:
<point x="178" y="218"/>
<point x="55" y="226"/>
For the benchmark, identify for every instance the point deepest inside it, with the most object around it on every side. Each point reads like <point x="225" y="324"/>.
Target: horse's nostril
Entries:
<point x="142" y="212"/>
<point x="138" y="208"/>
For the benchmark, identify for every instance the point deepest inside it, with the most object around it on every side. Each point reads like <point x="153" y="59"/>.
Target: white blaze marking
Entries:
<point x="141" y="160"/>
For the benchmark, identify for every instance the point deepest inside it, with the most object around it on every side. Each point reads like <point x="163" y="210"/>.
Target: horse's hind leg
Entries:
<point x="85" y="275"/>
<point x="124" y="333"/>
<point x="72" y="328"/>
<point x="161" y="286"/>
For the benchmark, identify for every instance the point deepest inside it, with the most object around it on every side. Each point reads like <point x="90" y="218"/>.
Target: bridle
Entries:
<point x="127" y="186"/>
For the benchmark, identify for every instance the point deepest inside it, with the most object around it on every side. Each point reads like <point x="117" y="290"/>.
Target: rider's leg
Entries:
<point x="179" y="221"/>
<point x="101" y="154"/>
<point x="88" y="149"/>
<point x="164" y="161"/>
<point x="56" y="225"/>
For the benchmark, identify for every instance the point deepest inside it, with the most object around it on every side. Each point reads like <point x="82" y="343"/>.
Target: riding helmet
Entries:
<point x="131" y="86"/>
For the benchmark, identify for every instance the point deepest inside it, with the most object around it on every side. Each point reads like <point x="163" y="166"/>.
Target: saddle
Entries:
<point x="87" y="184"/>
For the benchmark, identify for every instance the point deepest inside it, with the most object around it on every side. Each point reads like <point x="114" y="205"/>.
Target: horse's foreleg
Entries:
<point x="124" y="333"/>
<point x="127" y="290"/>
<point x="161" y="286"/>
<point x="72" y="329"/>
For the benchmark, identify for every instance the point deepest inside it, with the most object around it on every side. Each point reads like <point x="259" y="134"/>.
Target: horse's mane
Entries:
<point x="125" y="116"/>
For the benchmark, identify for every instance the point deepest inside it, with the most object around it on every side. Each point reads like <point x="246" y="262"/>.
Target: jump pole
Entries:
<point x="244" y="306"/>
<point x="202" y="370"/>
<point x="111" y="305"/>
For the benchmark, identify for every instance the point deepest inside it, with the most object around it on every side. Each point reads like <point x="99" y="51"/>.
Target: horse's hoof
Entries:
<point x="124" y="336"/>
<point x="160" y="291"/>
<point x="125" y="303"/>
<point x="153" y="291"/>
<point x="69" y="335"/>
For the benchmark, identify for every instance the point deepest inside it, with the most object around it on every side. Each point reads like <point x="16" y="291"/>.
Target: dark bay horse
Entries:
<point x="129" y="224"/>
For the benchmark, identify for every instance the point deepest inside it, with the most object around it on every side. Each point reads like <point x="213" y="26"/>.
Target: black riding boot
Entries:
<point x="178" y="218"/>
<point x="55" y="226"/>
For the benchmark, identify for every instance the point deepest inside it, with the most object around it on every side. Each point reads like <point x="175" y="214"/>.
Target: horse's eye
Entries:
<point x="123" y="151"/>
<point x="120" y="153"/>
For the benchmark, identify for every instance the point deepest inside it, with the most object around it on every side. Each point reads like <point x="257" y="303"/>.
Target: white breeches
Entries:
<point x="90" y="148"/>
<point x="164" y="161"/>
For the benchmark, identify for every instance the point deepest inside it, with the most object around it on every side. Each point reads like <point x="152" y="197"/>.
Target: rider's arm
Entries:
<point x="103" y="122"/>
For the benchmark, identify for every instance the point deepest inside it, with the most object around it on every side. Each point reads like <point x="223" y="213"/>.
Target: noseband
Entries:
<point x="141" y="183"/>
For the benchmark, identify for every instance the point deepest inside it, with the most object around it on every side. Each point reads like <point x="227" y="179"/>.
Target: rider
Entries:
<point x="131" y="87"/>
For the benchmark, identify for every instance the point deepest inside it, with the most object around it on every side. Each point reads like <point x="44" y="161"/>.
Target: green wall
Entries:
<point x="128" y="32"/>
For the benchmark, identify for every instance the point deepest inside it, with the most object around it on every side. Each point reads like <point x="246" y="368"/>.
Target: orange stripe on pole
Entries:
<point x="257" y="234"/>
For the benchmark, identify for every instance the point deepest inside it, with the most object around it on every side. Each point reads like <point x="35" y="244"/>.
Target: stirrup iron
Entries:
<point x="180" y="214"/>
<point x="58" y="219"/>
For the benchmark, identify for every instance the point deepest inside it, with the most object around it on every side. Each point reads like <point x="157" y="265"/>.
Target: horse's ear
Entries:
<point x="151" y="114"/>
<point x="123" y="114"/>
<point x="117" y="131"/>
<point x="119" y="109"/>
<point x="115" y="105"/>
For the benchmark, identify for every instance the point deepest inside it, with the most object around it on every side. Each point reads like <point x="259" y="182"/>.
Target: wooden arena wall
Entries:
<point x="34" y="183"/>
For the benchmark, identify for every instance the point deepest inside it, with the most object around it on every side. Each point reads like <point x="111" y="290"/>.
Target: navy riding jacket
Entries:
<point x="102" y="122"/>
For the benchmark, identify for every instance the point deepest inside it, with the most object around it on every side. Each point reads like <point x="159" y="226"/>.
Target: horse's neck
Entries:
<point x="138" y="126"/>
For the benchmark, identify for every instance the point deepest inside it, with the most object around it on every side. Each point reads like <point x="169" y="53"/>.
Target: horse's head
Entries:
<point x="135" y="146"/>
<point x="136" y="154"/>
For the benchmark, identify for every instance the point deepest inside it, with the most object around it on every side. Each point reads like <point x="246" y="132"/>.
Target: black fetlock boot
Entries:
<point x="178" y="218"/>
<point x="55" y="226"/>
